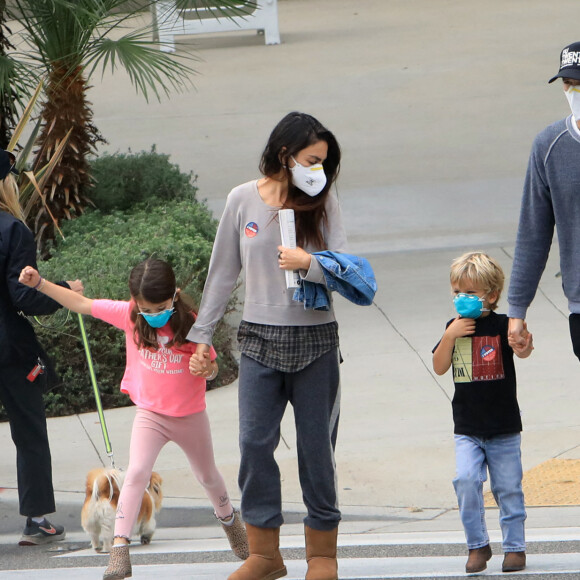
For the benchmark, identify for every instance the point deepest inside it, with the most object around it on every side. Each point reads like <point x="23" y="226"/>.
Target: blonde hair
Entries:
<point x="10" y="197"/>
<point x="479" y="269"/>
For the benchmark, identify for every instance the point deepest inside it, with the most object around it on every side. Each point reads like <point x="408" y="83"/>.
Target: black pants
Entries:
<point x="25" y="408"/>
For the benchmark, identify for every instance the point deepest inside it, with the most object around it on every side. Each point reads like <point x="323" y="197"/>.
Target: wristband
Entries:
<point x="39" y="284"/>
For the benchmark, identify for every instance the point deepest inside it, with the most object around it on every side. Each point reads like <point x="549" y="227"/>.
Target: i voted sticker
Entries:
<point x="488" y="353"/>
<point x="251" y="229"/>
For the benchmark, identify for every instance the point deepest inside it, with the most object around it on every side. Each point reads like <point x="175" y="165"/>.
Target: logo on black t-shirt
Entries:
<point x="477" y="358"/>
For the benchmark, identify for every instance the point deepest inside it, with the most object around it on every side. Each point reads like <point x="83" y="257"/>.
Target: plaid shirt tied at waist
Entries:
<point x="286" y="348"/>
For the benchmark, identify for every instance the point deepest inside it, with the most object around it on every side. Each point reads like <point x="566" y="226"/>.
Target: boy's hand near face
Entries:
<point x="460" y="327"/>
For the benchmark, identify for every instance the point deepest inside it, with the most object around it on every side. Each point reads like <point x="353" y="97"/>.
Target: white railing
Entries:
<point x="201" y="20"/>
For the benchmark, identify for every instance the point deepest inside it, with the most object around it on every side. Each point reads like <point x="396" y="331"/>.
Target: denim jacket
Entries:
<point x="350" y="276"/>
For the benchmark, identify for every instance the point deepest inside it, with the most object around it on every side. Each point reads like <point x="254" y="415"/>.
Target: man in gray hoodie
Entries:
<point x="551" y="198"/>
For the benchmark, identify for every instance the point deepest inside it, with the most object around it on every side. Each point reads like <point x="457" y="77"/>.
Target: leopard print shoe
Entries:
<point x="119" y="564"/>
<point x="236" y="534"/>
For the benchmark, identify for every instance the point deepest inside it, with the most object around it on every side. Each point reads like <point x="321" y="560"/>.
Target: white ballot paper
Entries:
<point x="288" y="231"/>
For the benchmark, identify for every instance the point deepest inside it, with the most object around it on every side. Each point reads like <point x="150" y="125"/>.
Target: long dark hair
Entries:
<point x="295" y="132"/>
<point x="154" y="281"/>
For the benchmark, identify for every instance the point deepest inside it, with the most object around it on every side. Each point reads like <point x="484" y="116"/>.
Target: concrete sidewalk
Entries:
<point x="435" y="105"/>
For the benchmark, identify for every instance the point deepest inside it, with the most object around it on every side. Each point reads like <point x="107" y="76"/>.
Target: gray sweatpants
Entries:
<point x="314" y="392"/>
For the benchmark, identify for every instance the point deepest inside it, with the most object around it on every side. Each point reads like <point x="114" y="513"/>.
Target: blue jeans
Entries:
<point x="502" y="456"/>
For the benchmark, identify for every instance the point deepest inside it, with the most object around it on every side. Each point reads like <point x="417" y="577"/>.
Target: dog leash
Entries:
<point x="96" y="391"/>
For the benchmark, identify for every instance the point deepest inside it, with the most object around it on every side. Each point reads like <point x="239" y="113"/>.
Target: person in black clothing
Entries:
<point x="21" y="364"/>
<point x="485" y="409"/>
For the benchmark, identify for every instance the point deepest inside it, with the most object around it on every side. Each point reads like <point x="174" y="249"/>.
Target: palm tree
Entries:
<point x="68" y="40"/>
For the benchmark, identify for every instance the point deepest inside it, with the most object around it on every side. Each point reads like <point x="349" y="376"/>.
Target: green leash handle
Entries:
<point x="108" y="446"/>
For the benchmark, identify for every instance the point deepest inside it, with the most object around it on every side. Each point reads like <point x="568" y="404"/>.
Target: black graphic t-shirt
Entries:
<point x="485" y="401"/>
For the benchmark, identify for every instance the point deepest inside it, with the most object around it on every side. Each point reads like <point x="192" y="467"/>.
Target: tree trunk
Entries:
<point x="66" y="192"/>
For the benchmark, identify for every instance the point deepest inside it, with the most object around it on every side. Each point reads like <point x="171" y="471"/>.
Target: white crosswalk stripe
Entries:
<point x="352" y="568"/>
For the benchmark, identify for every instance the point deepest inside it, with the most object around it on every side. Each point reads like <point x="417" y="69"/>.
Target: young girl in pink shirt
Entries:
<point x="170" y="401"/>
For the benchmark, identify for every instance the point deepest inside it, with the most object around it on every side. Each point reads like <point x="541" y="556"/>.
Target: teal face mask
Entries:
<point x="469" y="305"/>
<point x="159" y="319"/>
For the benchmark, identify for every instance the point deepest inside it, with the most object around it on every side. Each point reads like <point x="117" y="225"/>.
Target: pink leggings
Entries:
<point x="151" y="431"/>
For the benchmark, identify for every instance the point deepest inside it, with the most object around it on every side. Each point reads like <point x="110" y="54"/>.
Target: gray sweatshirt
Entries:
<point x="248" y="237"/>
<point x="551" y="197"/>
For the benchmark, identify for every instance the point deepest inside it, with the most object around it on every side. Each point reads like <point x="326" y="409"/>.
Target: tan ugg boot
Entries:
<point x="321" y="554"/>
<point x="119" y="564"/>
<point x="265" y="561"/>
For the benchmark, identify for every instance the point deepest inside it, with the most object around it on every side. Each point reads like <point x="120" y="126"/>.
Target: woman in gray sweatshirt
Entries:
<point x="289" y="354"/>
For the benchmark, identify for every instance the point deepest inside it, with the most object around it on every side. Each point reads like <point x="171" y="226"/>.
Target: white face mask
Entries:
<point x="311" y="180"/>
<point x="573" y="96"/>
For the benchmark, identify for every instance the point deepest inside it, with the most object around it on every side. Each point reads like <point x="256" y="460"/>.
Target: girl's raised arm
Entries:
<point x="68" y="298"/>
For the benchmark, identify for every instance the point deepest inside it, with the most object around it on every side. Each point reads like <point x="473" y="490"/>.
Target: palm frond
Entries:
<point x="59" y="30"/>
<point x="24" y="118"/>
<point x="225" y="8"/>
<point x="39" y="193"/>
<point x="148" y="68"/>
<point x="29" y="145"/>
<point x="16" y="77"/>
<point x="32" y="191"/>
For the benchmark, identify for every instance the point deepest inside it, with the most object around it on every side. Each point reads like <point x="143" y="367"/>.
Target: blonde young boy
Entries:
<point x="486" y="414"/>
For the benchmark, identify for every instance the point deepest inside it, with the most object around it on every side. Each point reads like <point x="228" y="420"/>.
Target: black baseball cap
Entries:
<point x="7" y="164"/>
<point x="569" y="63"/>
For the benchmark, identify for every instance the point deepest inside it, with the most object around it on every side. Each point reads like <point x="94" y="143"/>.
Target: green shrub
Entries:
<point x="123" y="180"/>
<point x="100" y="249"/>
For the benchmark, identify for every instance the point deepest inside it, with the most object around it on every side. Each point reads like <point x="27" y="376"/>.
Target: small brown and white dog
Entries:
<point x="102" y="496"/>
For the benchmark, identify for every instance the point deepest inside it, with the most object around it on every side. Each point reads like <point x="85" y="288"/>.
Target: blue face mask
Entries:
<point x="469" y="305"/>
<point x="160" y="319"/>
